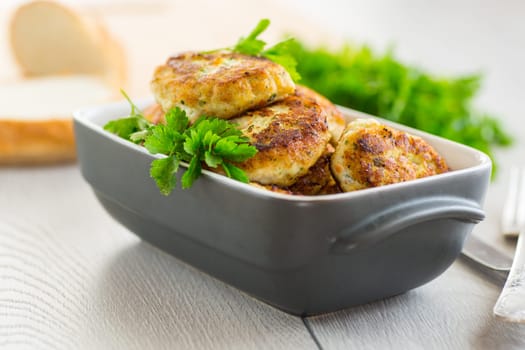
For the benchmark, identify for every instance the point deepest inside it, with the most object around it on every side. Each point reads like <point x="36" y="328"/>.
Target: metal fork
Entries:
<point x="511" y="302"/>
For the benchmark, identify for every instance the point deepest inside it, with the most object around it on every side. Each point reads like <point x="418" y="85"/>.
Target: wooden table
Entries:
<point x="71" y="277"/>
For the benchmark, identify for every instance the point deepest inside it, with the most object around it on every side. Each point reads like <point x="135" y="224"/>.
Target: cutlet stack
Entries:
<point x="288" y="126"/>
<point x="297" y="132"/>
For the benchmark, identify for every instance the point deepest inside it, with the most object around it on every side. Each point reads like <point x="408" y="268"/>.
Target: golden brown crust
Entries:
<point x="220" y="84"/>
<point x="318" y="180"/>
<point x="334" y="117"/>
<point x="272" y="188"/>
<point x="290" y="136"/>
<point x="370" y="154"/>
<point x="36" y="142"/>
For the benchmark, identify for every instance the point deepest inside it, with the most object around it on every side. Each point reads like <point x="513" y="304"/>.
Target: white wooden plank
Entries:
<point x="452" y="312"/>
<point x="71" y="277"/>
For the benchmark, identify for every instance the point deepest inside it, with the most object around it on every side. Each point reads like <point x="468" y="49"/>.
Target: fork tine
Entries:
<point x="509" y="226"/>
<point x="520" y="210"/>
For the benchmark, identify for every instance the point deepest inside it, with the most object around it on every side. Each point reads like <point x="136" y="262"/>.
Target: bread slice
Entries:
<point x="36" y="125"/>
<point x="48" y="38"/>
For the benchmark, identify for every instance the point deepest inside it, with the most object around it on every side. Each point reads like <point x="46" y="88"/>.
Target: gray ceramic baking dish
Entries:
<point x="304" y="255"/>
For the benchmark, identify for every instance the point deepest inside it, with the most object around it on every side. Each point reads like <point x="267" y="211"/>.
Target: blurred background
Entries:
<point x="443" y="40"/>
<point x="446" y="38"/>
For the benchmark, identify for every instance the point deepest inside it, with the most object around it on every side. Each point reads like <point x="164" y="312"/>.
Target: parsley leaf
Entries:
<point x="280" y="53"/>
<point x="177" y="120"/>
<point x="161" y="140"/>
<point x="214" y="141"/>
<point x="234" y="148"/>
<point x="125" y="127"/>
<point x="169" y="139"/>
<point x="193" y="172"/>
<point x="163" y="172"/>
<point x="133" y="128"/>
<point x="235" y="172"/>
<point x="251" y="45"/>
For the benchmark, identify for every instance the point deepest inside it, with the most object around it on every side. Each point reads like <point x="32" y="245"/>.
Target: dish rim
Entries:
<point x="84" y="117"/>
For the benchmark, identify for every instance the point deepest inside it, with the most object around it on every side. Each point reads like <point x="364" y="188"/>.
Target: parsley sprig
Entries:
<point x="280" y="53"/>
<point x="212" y="141"/>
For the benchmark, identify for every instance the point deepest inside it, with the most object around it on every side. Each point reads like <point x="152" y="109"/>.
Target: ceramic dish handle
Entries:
<point x="388" y="222"/>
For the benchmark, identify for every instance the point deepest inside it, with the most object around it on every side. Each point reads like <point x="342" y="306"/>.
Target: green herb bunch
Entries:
<point x="385" y="87"/>
<point x="212" y="141"/>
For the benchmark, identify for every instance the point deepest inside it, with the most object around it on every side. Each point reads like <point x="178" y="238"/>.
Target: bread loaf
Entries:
<point x="36" y="123"/>
<point x="48" y="38"/>
<point x="67" y="61"/>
